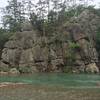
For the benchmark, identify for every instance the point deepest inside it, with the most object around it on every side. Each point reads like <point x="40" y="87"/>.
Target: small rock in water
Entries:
<point x="14" y="71"/>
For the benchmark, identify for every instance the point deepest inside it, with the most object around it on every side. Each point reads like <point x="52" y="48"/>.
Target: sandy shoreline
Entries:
<point x="5" y="84"/>
<point x="20" y="91"/>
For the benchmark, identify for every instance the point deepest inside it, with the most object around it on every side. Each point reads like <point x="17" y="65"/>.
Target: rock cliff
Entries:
<point x="26" y="52"/>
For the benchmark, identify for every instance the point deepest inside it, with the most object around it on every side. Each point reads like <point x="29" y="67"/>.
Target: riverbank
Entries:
<point x="31" y="92"/>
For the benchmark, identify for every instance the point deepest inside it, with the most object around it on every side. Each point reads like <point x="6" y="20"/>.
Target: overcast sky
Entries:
<point x="3" y="3"/>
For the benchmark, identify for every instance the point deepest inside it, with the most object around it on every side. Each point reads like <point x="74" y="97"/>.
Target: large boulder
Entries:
<point x="92" y="68"/>
<point x="14" y="71"/>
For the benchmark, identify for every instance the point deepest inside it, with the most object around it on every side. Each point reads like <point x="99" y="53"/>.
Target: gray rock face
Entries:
<point x="87" y="54"/>
<point x="89" y="22"/>
<point x="26" y="52"/>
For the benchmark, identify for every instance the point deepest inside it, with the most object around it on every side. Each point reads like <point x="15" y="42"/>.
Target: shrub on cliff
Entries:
<point x="4" y="37"/>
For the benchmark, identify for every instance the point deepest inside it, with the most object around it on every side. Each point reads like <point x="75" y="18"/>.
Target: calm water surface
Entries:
<point x="55" y="79"/>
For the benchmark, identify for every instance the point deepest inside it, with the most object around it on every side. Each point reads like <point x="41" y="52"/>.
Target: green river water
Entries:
<point x="55" y="79"/>
<point x="51" y="86"/>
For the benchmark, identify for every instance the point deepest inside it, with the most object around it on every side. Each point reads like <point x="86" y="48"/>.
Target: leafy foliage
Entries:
<point x="13" y="16"/>
<point x="4" y="36"/>
<point x="71" y="52"/>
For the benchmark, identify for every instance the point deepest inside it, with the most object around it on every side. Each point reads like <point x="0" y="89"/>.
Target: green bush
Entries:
<point x="71" y="53"/>
<point x="71" y="56"/>
<point x="4" y="37"/>
<point x="25" y="69"/>
<point x="74" y="46"/>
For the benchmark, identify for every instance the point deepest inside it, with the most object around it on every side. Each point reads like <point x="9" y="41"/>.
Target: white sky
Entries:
<point x="3" y="3"/>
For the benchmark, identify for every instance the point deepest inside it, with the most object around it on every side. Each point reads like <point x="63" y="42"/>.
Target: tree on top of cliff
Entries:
<point x="13" y="16"/>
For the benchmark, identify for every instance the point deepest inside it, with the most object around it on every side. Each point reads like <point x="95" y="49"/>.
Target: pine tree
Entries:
<point x="13" y="16"/>
<point x="41" y="13"/>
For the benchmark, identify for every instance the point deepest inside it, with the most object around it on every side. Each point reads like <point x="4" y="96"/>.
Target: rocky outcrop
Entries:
<point x="83" y="32"/>
<point x="86" y="55"/>
<point x="26" y="52"/>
